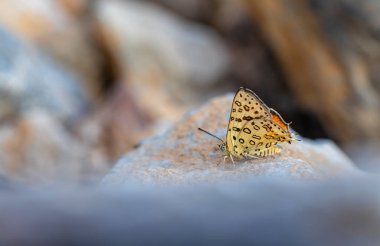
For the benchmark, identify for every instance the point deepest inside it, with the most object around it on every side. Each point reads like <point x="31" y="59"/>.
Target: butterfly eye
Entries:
<point x="222" y="147"/>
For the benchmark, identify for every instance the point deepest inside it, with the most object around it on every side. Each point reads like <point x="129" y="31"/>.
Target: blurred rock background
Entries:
<point x="82" y="82"/>
<point x="85" y="84"/>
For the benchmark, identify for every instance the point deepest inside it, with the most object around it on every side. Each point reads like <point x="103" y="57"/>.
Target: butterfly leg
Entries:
<point x="232" y="159"/>
<point x="226" y="156"/>
<point x="249" y="156"/>
<point x="277" y="149"/>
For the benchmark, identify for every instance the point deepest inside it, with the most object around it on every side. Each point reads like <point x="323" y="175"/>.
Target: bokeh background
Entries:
<point x="82" y="82"/>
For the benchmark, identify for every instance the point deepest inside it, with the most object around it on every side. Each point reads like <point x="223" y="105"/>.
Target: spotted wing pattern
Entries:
<point x="254" y="130"/>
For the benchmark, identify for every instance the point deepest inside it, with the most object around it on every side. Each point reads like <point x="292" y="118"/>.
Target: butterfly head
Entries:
<point x="222" y="147"/>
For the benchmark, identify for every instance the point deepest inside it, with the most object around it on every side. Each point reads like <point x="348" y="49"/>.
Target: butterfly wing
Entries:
<point x="263" y="139"/>
<point x="276" y="117"/>
<point x="245" y="108"/>
<point x="254" y="129"/>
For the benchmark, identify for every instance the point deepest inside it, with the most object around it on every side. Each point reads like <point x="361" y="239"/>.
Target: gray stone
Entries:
<point x="186" y="155"/>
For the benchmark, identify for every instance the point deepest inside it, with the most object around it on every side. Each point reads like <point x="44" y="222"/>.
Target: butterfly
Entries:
<point x="254" y="129"/>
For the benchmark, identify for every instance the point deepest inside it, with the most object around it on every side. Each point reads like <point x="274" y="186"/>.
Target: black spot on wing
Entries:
<point x="268" y="136"/>
<point x="267" y="127"/>
<point x="247" y="118"/>
<point x="256" y="137"/>
<point x="247" y="130"/>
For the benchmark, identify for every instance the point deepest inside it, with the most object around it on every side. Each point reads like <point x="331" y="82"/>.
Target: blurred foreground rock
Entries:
<point x="255" y="212"/>
<point x="186" y="155"/>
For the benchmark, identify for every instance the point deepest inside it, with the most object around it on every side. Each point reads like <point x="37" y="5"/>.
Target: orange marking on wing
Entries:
<point x="279" y="121"/>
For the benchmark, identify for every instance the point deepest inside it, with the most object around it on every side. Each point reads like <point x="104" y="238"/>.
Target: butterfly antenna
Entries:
<point x="212" y="135"/>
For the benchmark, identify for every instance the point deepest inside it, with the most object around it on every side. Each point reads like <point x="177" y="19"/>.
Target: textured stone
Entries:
<point x="186" y="155"/>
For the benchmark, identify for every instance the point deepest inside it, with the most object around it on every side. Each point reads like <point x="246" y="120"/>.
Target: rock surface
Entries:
<point x="186" y="155"/>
